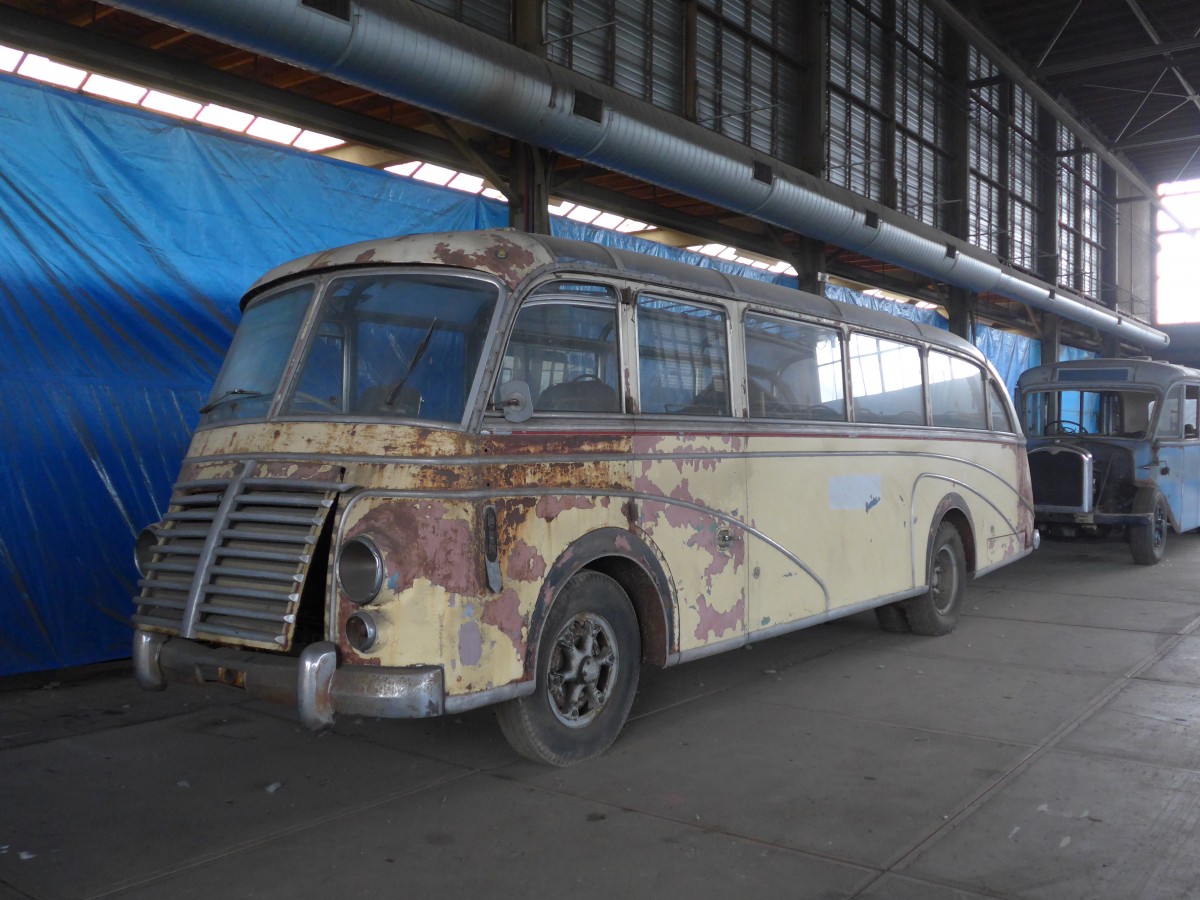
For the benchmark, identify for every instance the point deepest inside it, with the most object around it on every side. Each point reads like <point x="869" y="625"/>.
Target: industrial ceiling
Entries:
<point x="1128" y="69"/>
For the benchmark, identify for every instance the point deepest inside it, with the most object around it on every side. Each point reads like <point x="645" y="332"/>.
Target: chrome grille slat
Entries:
<point x="155" y="621"/>
<point x="164" y="584"/>
<point x="189" y="516"/>
<point x="243" y="635"/>
<point x="264" y="555"/>
<point x="178" y="568"/>
<point x="259" y="615"/>
<point x="268" y="518"/>
<point x="280" y="537"/>
<point x="197" y="499"/>
<point x="251" y="593"/>
<point x="246" y="544"/>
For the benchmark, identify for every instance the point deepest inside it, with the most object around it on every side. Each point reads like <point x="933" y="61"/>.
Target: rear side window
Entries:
<point x="793" y="370"/>
<point x="955" y="392"/>
<point x="886" y="380"/>
<point x="1000" y="418"/>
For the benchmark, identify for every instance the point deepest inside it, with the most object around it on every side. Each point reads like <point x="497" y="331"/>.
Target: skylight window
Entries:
<point x="224" y="117"/>
<point x="404" y="169"/>
<point x="41" y="69"/>
<point x="179" y="107"/>
<point x="270" y="130"/>
<point x="434" y="174"/>
<point x="114" y="89"/>
<point x="315" y="142"/>
<point x="9" y="58"/>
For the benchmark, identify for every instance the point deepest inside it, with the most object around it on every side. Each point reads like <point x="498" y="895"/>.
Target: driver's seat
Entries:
<point x="587" y="394"/>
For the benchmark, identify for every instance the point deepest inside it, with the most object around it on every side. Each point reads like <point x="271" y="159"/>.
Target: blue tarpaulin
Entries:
<point x="126" y="240"/>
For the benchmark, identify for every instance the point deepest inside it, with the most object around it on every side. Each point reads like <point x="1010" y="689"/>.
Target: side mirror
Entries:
<point x="516" y="401"/>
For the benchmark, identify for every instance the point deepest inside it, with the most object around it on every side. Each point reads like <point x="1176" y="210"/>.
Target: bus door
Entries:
<point x="1170" y="458"/>
<point x="1189" y="451"/>
<point x="796" y="398"/>
<point x="689" y="472"/>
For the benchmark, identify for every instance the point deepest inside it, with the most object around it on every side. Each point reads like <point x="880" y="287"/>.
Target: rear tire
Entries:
<point x="936" y="611"/>
<point x="1147" y="543"/>
<point x="588" y="664"/>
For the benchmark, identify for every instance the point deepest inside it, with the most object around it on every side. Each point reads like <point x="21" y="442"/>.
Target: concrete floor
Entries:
<point x="1049" y="748"/>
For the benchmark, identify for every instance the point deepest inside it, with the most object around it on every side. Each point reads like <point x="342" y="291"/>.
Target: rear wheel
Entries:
<point x="936" y="611"/>
<point x="588" y="664"/>
<point x="1149" y="542"/>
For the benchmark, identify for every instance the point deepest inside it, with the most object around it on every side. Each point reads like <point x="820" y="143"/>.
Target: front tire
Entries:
<point x="1147" y="543"/>
<point x="936" y="611"/>
<point x="588" y="664"/>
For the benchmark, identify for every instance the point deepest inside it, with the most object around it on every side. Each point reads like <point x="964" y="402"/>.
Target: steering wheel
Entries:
<point x="1063" y="426"/>
<point x="314" y="400"/>
<point x="586" y="376"/>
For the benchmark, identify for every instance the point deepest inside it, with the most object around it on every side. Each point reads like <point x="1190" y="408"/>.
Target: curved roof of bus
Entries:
<point x="511" y="255"/>
<point x="1091" y="373"/>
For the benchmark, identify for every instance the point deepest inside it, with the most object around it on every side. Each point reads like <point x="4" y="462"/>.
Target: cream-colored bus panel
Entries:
<point x="692" y="502"/>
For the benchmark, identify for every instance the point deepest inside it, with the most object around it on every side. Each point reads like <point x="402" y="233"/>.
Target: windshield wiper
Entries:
<point x="417" y="354"/>
<point x="235" y="392"/>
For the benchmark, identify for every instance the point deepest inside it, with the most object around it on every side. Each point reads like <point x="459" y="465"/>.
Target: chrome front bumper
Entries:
<point x="314" y="683"/>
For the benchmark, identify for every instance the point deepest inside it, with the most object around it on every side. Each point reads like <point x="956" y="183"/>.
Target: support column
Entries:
<point x="963" y="304"/>
<point x="529" y="202"/>
<point x="529" y="188"/>
<point x="1047" y="228"/>
<point x="954" y="214"/>
<point x="1051" y="338"/>
<point x="808" y="255"/>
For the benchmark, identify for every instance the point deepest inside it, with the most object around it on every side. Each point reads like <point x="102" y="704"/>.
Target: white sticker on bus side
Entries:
<point x="860" y="492"/>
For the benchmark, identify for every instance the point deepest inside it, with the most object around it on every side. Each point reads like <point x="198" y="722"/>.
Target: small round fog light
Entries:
<point x="143" y="550"/>
<point x="360" y="570"/>
<point x="360" y="631"/>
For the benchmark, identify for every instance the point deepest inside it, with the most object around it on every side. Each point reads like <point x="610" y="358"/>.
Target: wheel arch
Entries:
<point x="954" y="510"/>
<point x="631" y="561"/>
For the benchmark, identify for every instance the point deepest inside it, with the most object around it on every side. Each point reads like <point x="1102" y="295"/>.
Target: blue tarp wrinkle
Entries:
<point x="126" y="240"/>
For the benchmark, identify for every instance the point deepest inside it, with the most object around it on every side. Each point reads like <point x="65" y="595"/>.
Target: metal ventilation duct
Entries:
<point x="403" y="50"/>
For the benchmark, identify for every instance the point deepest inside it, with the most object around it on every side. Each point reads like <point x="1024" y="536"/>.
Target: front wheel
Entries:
<point x="936" y="611"/>
<point x="1149" y="542"/>
<point x="588" y="664"/>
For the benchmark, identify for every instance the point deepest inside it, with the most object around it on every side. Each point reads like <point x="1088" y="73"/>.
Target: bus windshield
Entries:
<point x="1108" y="413"/>
<point x="384" y="345"/>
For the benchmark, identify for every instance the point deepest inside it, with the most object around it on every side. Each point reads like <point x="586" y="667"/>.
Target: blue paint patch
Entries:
<point x="855" y="492"/>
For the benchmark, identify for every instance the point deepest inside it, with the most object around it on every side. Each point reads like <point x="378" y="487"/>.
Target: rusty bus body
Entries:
<point x="444" y="471"/>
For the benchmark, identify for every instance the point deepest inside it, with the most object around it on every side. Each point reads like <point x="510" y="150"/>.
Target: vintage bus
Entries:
<point x="443" y="471"/>
<point x="1114" y="449"/>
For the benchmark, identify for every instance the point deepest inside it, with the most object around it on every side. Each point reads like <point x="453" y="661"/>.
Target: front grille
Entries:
<point x="233" y="553"/>
<point x="1061" y="479"/>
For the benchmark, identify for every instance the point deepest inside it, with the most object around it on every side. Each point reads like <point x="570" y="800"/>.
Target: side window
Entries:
<point x="567" y="351"/>
<point x="1000" y="418"/>
<point x="683" y="358"/>
<point x="1191" y="410"/>
<point x="1169" y="415"/>
<point x="794" y="370"/>
<point x="885" y="377"/>
<point x="955" y="392"/>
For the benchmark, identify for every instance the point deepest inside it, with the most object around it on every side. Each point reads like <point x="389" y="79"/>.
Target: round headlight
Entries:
<point x="361" y="631"/>
<point x="143" y="550"/>
<point x="360" y="570"/>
